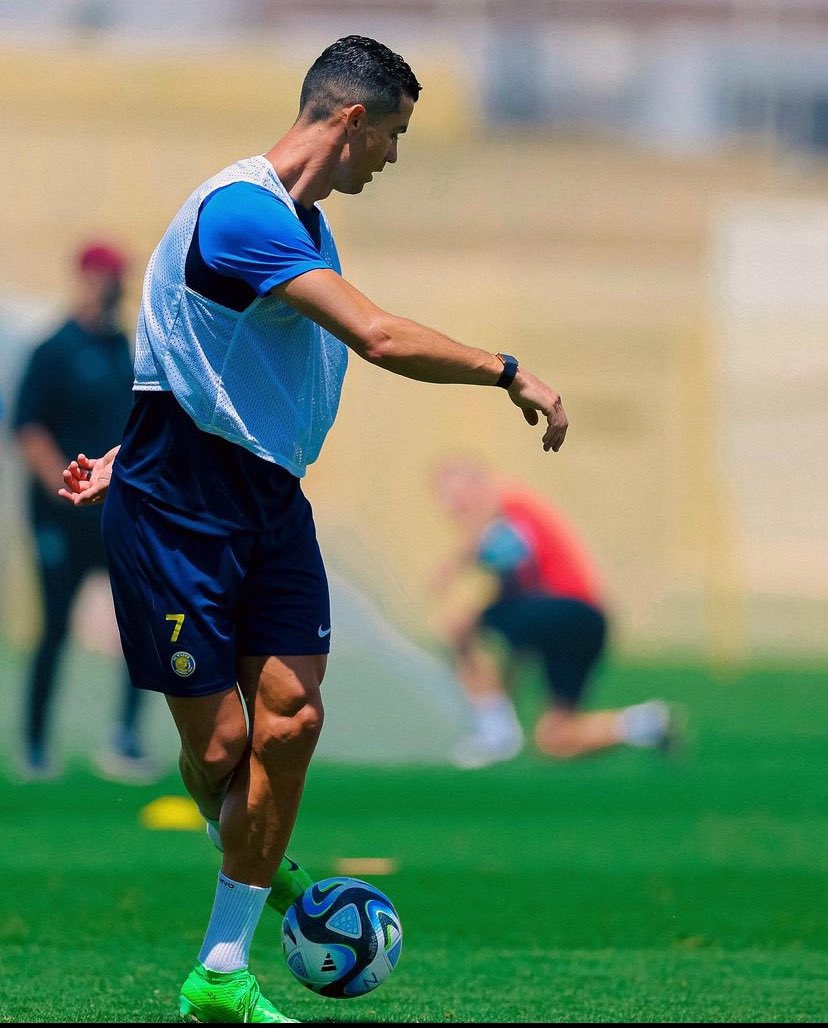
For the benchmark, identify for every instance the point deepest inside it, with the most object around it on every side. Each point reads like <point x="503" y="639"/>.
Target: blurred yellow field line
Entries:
<point x="366" y="866"/>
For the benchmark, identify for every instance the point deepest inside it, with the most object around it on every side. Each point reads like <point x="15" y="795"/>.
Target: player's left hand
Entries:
<point x="535" y="398"/>
<point x="86" y="479"/>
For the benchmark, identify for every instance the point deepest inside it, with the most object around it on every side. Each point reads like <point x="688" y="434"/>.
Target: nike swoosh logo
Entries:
<point x="323" y="633"/>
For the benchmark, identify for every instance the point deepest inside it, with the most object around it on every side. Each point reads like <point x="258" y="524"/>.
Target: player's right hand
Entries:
<point x="86" y="479"/>
<point x="535" y="398"/>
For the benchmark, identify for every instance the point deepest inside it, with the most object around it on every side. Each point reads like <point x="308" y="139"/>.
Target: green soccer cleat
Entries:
<point x="226" y="997"/>
<point x="288" y="884"/>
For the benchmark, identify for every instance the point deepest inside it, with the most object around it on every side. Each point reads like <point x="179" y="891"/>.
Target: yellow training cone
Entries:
<point x="173" y="813"/>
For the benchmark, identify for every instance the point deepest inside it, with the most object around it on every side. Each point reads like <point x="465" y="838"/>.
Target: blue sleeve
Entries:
<point x="247" y="232"/>
<point x="502" y="548"/>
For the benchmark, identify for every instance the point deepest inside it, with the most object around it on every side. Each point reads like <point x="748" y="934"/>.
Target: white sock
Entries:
<point x="236" y="912"/>
<point x="644" y="724"/>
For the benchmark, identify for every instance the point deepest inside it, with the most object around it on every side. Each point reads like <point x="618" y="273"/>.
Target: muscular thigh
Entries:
<point x="284" y="700"/>
<point x="282" y="685"/>
<point x="210" y="726"/>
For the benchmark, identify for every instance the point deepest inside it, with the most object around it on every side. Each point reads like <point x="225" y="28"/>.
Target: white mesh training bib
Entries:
<point x="267" y="378"/>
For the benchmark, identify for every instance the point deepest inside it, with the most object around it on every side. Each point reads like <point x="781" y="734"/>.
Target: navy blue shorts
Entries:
<point x="567" y="635"/>
<point x="191" y="600"/>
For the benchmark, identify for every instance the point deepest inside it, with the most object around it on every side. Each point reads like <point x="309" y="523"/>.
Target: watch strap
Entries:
<point x="510" y="369"/>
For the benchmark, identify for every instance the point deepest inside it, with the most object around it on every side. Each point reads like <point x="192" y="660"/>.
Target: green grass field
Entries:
<point x="621" y="888"/>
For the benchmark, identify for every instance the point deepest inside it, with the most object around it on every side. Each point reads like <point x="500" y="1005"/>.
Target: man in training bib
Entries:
<point x="242" y="344"/>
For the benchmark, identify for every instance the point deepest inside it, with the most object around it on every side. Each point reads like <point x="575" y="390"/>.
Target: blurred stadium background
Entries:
<point x="630" y="194"/>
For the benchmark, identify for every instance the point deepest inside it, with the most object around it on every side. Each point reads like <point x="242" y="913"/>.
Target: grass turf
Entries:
<point x="619" y="888"/>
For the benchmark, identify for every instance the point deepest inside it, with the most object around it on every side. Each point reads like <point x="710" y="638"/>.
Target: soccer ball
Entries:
<point x="342" y="937"/>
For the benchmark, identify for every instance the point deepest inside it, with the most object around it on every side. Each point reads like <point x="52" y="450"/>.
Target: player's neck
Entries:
<point x="305" y="159"/>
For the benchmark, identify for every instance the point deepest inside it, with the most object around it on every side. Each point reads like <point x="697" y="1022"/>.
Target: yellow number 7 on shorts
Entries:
<point x="179" y="621"/>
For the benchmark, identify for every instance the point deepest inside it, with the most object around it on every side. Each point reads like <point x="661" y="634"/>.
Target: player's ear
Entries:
<point x="355" y="117"/>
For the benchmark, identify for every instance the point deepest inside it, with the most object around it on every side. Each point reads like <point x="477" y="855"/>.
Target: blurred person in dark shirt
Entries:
<point x="76" y="390"/>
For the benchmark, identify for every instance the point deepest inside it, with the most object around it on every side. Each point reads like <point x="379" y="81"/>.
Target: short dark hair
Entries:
<point x="356" y="69"/>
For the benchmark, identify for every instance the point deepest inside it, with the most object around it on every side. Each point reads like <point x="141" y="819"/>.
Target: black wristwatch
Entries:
<point x="510" y="369"/>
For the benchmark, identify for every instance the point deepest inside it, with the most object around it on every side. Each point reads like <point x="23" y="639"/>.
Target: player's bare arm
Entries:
<point x="415" y="351"/>
<point x="86" y="479"/>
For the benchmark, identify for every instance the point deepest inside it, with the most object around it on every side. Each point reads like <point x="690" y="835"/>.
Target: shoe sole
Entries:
<point x="190" y="1012"/>
<point x="477" y="762"/>
<point x="193" y="1014"/>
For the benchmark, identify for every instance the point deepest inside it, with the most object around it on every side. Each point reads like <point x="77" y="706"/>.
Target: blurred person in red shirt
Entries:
<point x="549" y="605"/>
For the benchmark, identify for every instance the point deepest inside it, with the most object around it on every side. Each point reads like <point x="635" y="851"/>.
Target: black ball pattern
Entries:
<point x="341" y="916"/>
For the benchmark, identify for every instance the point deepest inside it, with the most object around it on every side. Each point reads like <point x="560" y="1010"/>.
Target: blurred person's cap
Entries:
<point x="102" y="257"/>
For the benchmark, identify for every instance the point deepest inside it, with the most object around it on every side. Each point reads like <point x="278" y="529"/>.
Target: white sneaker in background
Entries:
<point x="481" y="750"/>
<point x="127" y="769"/>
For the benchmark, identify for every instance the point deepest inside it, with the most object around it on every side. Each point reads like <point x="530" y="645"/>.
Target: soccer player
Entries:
<point x="244" y="333"/>
<point x="548" y="604"/>
<point x="89" y="348"/>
